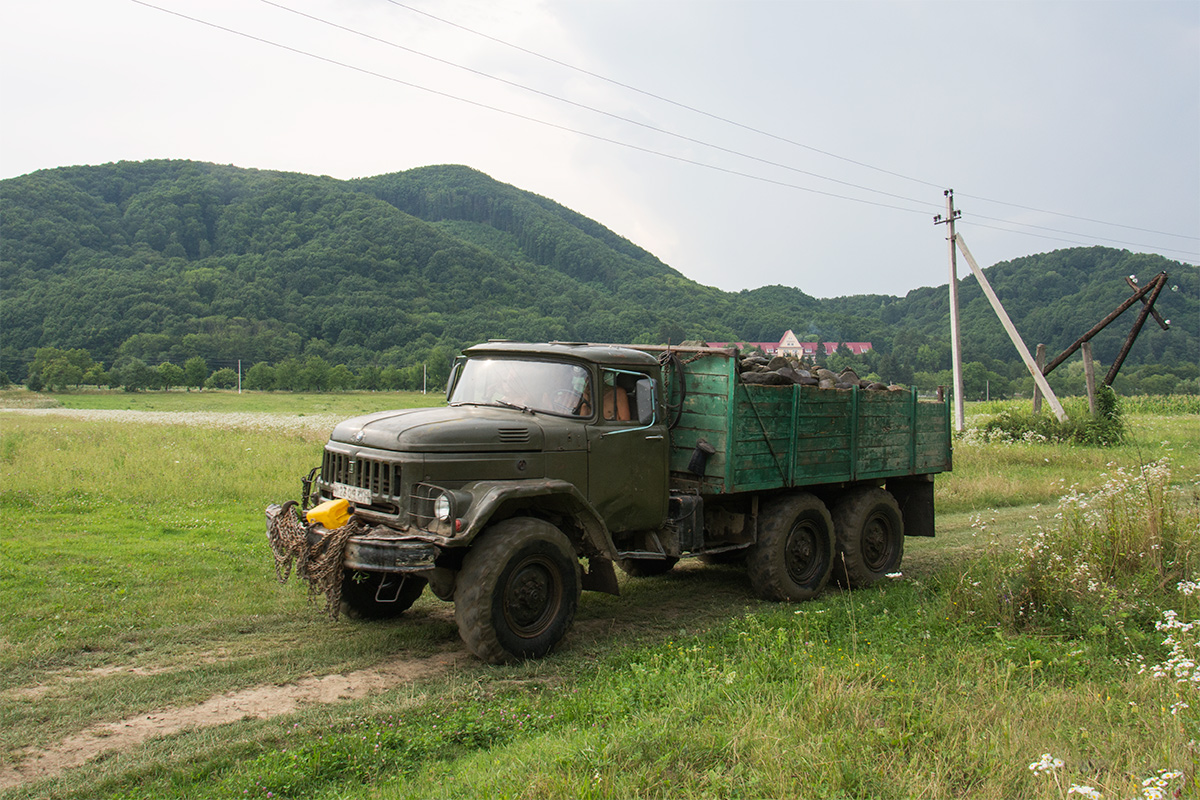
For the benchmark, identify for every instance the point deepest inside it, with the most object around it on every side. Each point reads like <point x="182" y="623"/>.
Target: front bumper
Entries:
<point x="376" y="549"/>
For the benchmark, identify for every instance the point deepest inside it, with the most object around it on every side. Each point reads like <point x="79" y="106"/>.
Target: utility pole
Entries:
<point x="955" y="341"/>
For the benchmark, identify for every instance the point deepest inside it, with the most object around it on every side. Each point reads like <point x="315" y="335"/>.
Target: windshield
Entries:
<point x="547" y="386"/>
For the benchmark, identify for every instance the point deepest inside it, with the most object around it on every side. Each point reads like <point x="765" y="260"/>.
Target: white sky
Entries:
<point x="1088" y="108"/>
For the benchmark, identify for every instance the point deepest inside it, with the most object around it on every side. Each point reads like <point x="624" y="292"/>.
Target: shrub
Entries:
<point x="1105" y="429"/>
<point x="1102" y="568"/>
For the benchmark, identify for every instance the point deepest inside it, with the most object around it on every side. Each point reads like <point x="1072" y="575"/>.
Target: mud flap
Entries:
<point x="600" y="576"/>
<point x="915" y="498"/>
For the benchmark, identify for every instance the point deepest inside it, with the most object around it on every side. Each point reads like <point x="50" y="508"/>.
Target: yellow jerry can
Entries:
<point x="332" y="513"/>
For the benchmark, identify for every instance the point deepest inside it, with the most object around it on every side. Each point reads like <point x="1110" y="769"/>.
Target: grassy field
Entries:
<point x="135" y="580"/>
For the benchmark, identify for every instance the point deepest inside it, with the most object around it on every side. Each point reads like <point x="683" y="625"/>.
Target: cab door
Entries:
<point x="627" y="452"/>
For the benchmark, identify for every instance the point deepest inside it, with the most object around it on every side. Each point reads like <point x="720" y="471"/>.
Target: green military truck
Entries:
<point x="551" y="463"/>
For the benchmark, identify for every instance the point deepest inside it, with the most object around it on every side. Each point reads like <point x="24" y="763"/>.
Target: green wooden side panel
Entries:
<point x="705" y="416"/>
<point x="769" y="437"/>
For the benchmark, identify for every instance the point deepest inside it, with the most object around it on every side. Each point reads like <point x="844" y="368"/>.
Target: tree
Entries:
<point x="96" y="376"/>
<point x="260" y="377"/>
<point x="60" y="374"/>
<point x="287" y="375"/>
<point x="224" y="378"/>
<point x="314" y="376"/>
<point x="340" y="378"/>
<point x="170" y="375"/>
<point x="132" y="374"/>
<point x="195" y="372"/>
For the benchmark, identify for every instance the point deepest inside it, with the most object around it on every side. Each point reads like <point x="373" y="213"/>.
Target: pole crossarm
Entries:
<point x="1147" y="309"/>
<point x="1141" y="293"/>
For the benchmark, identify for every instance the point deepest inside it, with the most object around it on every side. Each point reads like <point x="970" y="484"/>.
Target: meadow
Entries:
<point x="1034" y="647"/>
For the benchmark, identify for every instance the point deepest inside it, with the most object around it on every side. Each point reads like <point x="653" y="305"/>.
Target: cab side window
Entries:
<point x="619" y="399"/>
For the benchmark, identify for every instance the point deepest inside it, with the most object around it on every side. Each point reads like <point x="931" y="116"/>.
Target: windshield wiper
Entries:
<point x="506" y="404"/>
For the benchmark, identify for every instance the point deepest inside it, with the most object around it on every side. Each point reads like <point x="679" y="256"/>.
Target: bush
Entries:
<point x="1100" y="569"/>
<point x="1105" y="429"/>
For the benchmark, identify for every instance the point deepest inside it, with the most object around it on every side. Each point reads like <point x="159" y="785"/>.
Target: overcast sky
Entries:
<point x="744" y="143"/>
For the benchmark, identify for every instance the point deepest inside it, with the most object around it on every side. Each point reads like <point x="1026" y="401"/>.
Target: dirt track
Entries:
<point x="257" y="702"/>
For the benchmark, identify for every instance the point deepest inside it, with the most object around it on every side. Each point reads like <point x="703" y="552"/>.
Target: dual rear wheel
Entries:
<point x="801" y="544"/>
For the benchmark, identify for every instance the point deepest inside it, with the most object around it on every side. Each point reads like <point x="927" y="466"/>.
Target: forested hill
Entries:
<point x="166" y="260"/>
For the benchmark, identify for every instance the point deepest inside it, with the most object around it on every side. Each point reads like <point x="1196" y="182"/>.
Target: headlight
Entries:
<point x="441" y="508"/>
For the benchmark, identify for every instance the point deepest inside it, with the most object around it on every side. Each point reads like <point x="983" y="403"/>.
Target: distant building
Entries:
<point x="792" y="347"/>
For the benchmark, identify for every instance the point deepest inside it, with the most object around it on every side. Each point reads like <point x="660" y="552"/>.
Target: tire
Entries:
<point x="870" y="537"/>
<point x="360" y="589"/>
<point x="646" y="567"/>
<point x="793" y="557"/>
<point x="517" y="592"/>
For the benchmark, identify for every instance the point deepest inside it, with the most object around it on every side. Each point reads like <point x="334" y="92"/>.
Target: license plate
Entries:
<point x="355" y="494"/>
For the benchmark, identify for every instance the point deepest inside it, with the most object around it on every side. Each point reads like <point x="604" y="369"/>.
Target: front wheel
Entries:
<point x="517" y="592"/>
<point x="870" y="537"/>
<point x="793" y="557"/>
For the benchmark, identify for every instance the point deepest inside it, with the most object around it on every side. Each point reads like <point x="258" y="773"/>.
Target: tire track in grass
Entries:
<point x="256" y="702"/>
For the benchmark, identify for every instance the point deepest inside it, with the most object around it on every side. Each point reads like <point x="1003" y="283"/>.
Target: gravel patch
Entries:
<point x="283" y="423"/>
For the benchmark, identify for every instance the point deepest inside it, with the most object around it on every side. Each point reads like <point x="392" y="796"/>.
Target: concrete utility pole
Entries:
<point x="955" y="341"/>
<point x="1038" y="378"/>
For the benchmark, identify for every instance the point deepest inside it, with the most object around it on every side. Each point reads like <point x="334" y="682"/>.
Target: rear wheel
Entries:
<point x="870" y="537"/>
<point x="517" y="592"/>
<point x="379" y="595"/>
<point x="793" y="556"/>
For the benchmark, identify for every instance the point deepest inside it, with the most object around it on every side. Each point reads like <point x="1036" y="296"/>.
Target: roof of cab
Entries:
<point x="612" y="355"/>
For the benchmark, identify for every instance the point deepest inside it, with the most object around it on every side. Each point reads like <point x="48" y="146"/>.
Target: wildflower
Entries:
<point x="1085" y="791"/>
<point x="1048" y="763"/>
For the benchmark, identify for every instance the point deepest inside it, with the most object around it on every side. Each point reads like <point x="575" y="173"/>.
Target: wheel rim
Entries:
<point x="877" y="542"/>
<point x="802" y="555"/>
<point x="532" y="596"/>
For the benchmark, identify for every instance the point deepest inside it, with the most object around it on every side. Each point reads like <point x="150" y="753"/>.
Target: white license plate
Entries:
<point x="354" y="494"/>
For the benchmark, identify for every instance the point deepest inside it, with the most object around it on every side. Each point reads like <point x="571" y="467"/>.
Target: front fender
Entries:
<point x="502" y="499"/>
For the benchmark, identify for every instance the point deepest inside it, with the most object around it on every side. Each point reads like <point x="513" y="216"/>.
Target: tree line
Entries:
<point x="165" y="261"/>
<point x="57" y="370"/>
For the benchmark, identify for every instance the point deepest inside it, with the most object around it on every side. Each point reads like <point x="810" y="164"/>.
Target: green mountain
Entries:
<point x="167" y="260"/>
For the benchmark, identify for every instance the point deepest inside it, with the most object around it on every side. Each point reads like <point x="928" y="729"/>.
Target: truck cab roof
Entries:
<point x="605" y="354"/>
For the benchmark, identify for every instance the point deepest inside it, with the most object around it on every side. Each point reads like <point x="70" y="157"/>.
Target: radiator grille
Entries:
<point x="381" y="478"/>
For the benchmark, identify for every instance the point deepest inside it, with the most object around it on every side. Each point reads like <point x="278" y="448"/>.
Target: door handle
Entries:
<point x="656" y="438"/>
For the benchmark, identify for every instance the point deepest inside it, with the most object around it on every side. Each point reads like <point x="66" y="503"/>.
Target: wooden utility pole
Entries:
<point x="955" y="340"/>
<point x="1040" y="360"/>
<point x="1089" y="376"/>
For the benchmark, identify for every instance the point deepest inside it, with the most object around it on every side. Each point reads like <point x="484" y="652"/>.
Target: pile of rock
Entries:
<point x="781" y="371"/>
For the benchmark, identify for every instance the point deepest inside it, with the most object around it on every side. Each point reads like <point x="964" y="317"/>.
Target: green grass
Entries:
<point x="135" y="576"/>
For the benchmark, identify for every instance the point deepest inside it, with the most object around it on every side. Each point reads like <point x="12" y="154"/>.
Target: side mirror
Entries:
<point x="645" y="401"/>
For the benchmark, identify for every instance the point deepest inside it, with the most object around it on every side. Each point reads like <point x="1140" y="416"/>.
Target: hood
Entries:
<point x="444" y="430"/>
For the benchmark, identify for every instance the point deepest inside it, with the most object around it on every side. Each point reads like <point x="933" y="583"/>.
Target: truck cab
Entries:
<point x="567" y="439"/>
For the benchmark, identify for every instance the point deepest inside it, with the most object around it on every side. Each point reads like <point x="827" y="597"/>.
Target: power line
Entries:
<point x="1087" y="240"/>
<point x="774" y="136"/>
<point x="1083" y="219"/>
<point x="1073" y="233"/>
<point x="528" y="118"/>
<point x="647" y="126"/>
<point x="667" y="100"/>
<point x="593" y="109"/>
